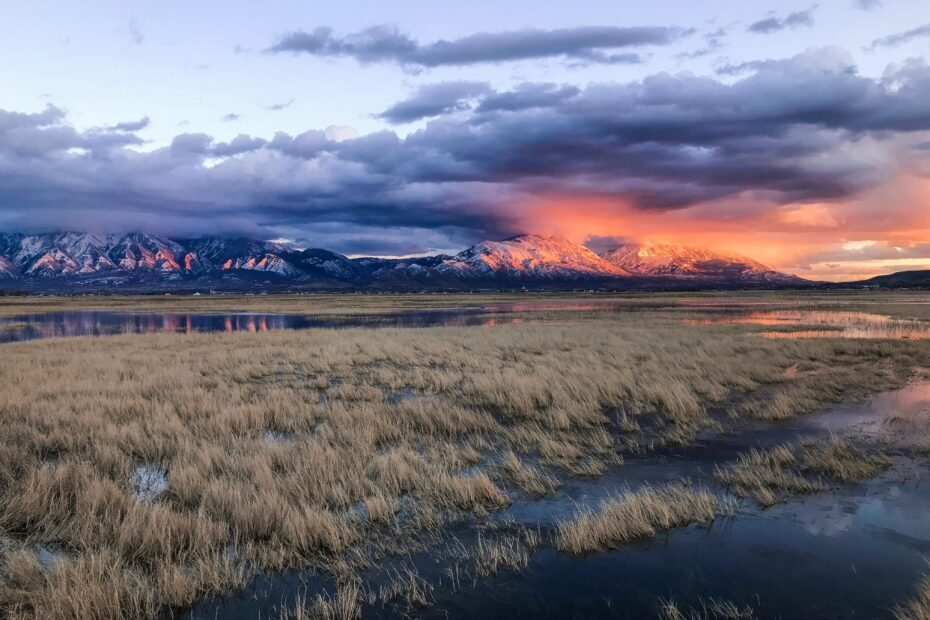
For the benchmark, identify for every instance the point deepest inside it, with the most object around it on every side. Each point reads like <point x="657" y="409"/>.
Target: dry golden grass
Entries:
<point x="760" y="473"/>
<point x="287" y="449"/>
<point x="631" y="515"/>
<point x="531" y="479"/>
<point x="765" y="474"/>
<point x="918" y="608"/>
<point x="841" y="460"/>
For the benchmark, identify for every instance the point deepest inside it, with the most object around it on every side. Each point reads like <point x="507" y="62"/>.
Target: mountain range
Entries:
<point x="138" y="261"/>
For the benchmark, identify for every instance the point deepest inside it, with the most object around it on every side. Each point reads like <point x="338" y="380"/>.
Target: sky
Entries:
<point x="795" y="133"/>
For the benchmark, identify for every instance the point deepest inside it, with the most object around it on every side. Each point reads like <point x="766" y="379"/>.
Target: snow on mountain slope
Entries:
<point x="7" y="268"/>
<point x="219" y="250"/>
<point x="53" y="262"/>
<point x="269" y="263"/>
<point x="147" y="253"/>
<point x="79" y="254"/>
<point x="530" y="257"/>
<point x="645" y="259"/>
<point x="518" y="261"/>
<point x="316" y="261"/>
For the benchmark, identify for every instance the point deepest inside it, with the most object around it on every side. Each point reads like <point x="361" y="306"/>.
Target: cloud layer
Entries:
<point x="802" y="131"/>
<point x="900" y="38"/>
<point x="382" y="44"/>
<point x="773" y="23"/>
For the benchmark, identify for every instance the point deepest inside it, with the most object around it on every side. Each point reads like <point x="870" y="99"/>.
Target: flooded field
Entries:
<point x="762" y="458"/>
<point x="109" y="323"/>
<point x="824" y="324"/>
<point x="792" y="324"/>
<point x="855" y="551"/>
<point x="104" y="323"/>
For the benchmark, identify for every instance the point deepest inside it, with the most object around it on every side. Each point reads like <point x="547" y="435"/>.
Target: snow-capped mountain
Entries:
<point x="142" y="261"/>
<point x="77" y="254"/>
<point x="530" y="257"/>
<point x="660" y="260"/>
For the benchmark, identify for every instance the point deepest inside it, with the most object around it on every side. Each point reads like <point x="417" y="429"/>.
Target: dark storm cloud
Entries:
<point x="238" y="145"/>
<point x="379" y="245"/>
<point x="675" y="140"/>
<point x="773" y="23"/>
<point x="434" y="100"/>
<point x="808" y="128"/>
<point x="604" y="243"/>
<point x="191" y="144"/>
<point x="41" y="134"/>
<point x="527" y="96"/>
<point x="51" y="115"/>
<point x="900" y="38"/>
<point x="387" y="44"/>
<point x="138" y="125"/>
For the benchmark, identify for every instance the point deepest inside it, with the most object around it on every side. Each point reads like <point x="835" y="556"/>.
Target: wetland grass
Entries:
<point x="918" y="608"/>
<point x="491" y="413"/>
<point x="633" y="515"/>
<point x="766" y="475"/>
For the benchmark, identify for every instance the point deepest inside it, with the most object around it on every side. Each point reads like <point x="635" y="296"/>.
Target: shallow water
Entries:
<point x="110" y="323"/>
<point x="825" y="324"/>
<point x="852" y="552"/>
<point x="809" y="323"/>
<point x="116" y="322"/>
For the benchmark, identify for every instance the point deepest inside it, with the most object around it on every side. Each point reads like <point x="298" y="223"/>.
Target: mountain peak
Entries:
<point x="531" y="256"/>
<point x="79" y="260"/>
<point x="657" y="259"/>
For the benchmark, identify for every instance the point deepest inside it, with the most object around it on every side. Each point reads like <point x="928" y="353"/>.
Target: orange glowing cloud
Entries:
<point x="813" y="240"/>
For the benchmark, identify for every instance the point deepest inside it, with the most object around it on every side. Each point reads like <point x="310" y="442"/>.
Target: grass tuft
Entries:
<point x="632" y="515"/>
<point x="768" y="474"/>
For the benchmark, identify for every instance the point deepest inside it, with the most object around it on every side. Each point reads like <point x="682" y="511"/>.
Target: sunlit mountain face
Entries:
<point x="105" y="262"/>
<point x="645" y="259"/>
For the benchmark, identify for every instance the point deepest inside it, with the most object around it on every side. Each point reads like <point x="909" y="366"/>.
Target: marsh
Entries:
<point x="487" y="450"/>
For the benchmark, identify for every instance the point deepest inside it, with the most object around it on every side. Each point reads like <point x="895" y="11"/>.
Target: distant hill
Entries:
<point x="141" y="262"/>
<point x="900" y="279"/>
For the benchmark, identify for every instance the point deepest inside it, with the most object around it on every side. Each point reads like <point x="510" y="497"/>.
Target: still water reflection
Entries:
<point x="108" y="323"/>
<point x="825" y="324"/>
<point x="784" y="323"/>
